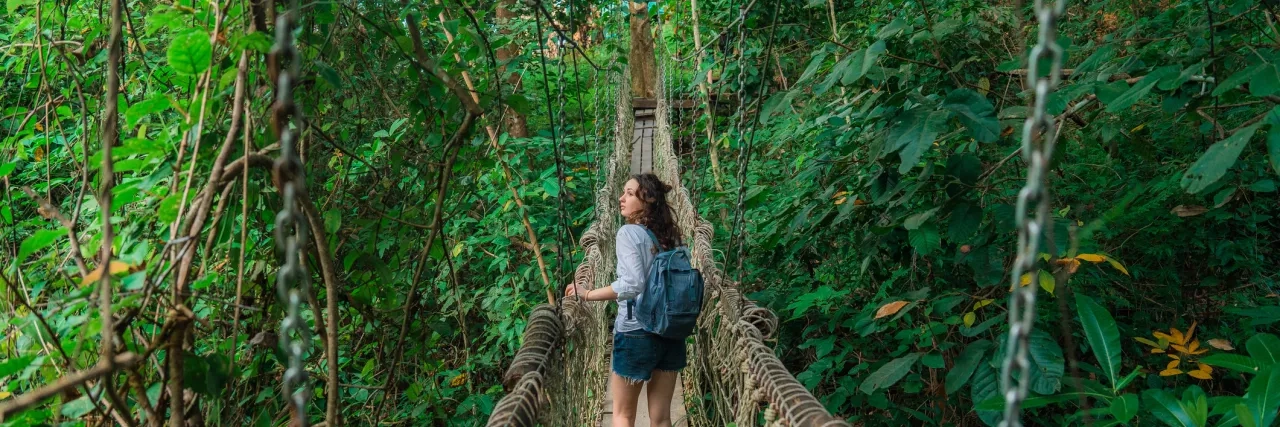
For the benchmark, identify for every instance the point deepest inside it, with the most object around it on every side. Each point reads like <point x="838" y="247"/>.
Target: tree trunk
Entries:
<point x="643" y="69"/>
<point x="702" y="87"/>
<point x="517" y="126"/>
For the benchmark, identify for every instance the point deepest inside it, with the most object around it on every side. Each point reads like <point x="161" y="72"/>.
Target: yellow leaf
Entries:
<point x="1190" y="332"/>
<point x="1221" y="344"/>
<point x="1116" y="265"/>
<point x="458" y="381"/>
<point x="116" y="267"/>
<point x="1162" y="335"/>
<point x="568" y="178"/>
<point x="1168" y="372"/>
<point x="1174" y="356"/>
<point x="890" y="309"/>
<point x="1205" y="368"/>
<point x="1176" y="336"/>
<point x="1138" y="127"/>
<point x="1157" y="350"/>
<point x="1180" y="348"/>
<point x="1191" y="348"/>
<point x="839" y="194"/>
<point x="1090" y="257"/>
<point x="1046" y="282"/>
<point x="5" y="395"/>
<point x="840" y="201"/>
<point x="984" y="86"/>
<point x="1026" y="279"/>
<point x="969" y="318"/>
<point x="1200" y="374"/>
<point x="1173" y="364"/>
<point x="983" y="303"/>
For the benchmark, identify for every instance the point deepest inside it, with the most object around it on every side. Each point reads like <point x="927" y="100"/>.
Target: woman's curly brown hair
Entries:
<point x="657" y="216"/>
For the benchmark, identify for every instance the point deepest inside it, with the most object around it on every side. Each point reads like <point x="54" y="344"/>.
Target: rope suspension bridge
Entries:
<point x="559" y="375"/>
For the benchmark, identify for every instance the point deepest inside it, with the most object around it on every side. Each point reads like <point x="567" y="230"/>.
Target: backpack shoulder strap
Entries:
<point x="657" y="244"/>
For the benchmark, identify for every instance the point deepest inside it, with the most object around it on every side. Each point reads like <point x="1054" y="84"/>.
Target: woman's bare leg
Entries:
<point x="662" y="387"/>
<point x="626" y="394"/>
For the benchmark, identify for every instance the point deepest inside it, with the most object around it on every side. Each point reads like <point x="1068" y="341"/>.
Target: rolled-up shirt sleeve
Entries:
<point x="631" y="274"/>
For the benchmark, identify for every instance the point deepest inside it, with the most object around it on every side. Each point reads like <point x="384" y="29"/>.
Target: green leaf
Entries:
<point x="12" y="5"/>
<point x="985" y="386"/>
<point x="982" y="327"/>
<point x="1264" y="348"/>
<point x="965" y="365"/>
<point x="332" y="221"/>
<point x="925" y="239"/>
<point x="1135" y="93"/>
<point x="889" y="373"/>
<point x="1263" y="396"/>
<point x="1235" y="362"/>
<point x="39" y="240"/>
<point x="190" y="53"/>
<point x="1103" y="335"/>
<point x="1239" y="78"/>
<point x="862" y="61"/>
<point x="168" y="211"/>
<point x="1273" y="148"/>
<point x="7" y="168"/>
<point x="1167" y="408"/>
<point x="256" y="41"/>
<point x="1215" y="162"/>
<point x="518" y="103"/>
<point x="965" y="220"/>
<point x="837" y="72"/>
<point x="1263" y="186"/>
<point x="15" y="365"/>
<point x="913" y="133"/>
<point x="205" y="374"/>
<point x="329" y="74"/>
<point x="552" y="187"/>
<point x="1266" y="81"/>
<point x="814" y="65"/>
<point x="896" y="26"/>
<point x="914" y="221"/>
<point x="157" y="102"/>
<point x="1125" y="407"/>
<point x="1046" y="281"/>
<point x="1049" y="362"/>
<point x="976" y="112"/>
<point x="77" y="408"/>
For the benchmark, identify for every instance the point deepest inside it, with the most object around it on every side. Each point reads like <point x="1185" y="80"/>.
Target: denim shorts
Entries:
<point x="637" y="354"/>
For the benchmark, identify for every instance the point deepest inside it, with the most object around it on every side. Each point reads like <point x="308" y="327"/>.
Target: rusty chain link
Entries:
<point x="293" y="281"/>
<point x="1037" y="147"/>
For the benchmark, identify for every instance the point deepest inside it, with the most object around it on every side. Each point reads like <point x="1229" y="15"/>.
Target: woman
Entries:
<point x="638" y="356"/>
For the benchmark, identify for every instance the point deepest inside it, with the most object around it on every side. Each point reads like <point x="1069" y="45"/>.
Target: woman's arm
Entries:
<point x="600" y="294"/>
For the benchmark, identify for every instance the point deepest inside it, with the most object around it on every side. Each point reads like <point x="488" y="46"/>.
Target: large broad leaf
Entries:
<point x="812" y="69"/>
<point x="154" y="104"/>
<point x="976" y="112"/>
<point x="986" y="385"/>
<point x="15" y="365"/>
<point x="190" y="52"/>
<point x="965" y="364"/>
<point x="1239" y="78"/>
<point x="1103" y="335"/>
<point x="889" y="373"/>
<point x="39" y="240"/>
<point x="913" y="133"/>
<point x="837" y="72"/>
<point x="861" y="62"/>
<point x="1230" y="361"/>
<point x="1266" y="82"/>
<point x="1215" y="162"/>
<point x="1125" y="407"/>
<point x="1263" y="396"/>
<point x="964" y="222"/>
<point x="1048" y="362"/>
<point x="925" y="239"/>
<point x="1264" y="348"/>
<point x="1135" y="93"/>
<point x="1167" y="408"/>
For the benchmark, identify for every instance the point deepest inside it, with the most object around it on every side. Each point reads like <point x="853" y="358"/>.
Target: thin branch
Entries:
<point x="26" y="400"/>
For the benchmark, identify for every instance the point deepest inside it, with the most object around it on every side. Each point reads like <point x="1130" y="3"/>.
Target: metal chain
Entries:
<point x="293" y="281"/>
<point x="1037" y="147"/>
<point x="735" y="230"/>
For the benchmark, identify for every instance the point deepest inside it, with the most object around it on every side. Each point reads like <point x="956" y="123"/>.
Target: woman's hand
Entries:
<point x="575" y="289"/>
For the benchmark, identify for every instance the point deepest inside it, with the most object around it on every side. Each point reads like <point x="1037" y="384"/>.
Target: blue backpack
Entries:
<point x="672" y="297"/>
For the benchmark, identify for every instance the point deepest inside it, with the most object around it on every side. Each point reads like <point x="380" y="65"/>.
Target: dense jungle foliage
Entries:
<point x="450" y="151"/>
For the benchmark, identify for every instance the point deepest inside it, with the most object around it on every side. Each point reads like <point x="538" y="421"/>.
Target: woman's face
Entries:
<point x="629" y="203"/>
